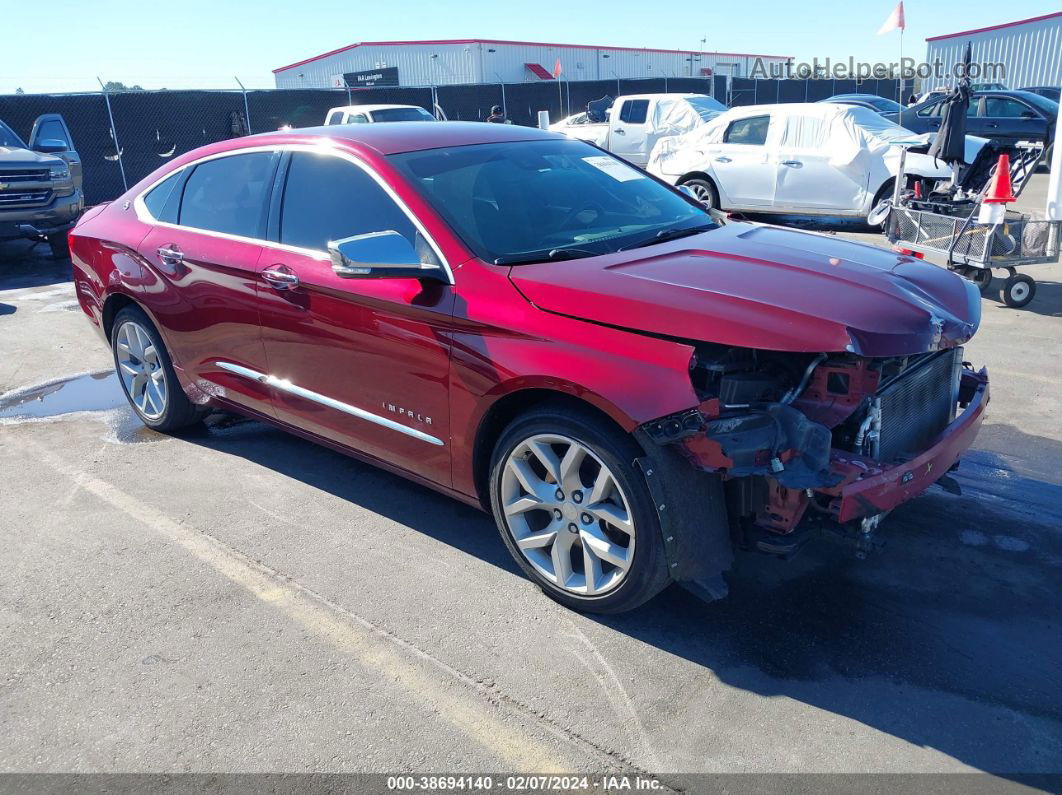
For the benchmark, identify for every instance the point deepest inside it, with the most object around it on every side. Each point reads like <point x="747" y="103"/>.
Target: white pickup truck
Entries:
<point x="635" y="122"/>
<point x="367" y="114"/>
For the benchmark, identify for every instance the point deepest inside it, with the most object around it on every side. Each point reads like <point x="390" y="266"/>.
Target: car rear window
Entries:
<point x="228" y="194"/>
<point x="157" y="198"/>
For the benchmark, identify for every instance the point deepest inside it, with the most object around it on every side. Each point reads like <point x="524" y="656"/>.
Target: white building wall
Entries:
<point x="1031" y="53"/>
<point x="486" y="62"/>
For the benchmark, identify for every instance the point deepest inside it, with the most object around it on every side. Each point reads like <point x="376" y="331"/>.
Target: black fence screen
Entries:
<point x="152" y="126"/>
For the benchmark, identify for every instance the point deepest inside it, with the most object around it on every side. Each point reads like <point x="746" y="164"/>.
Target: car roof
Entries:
<point x="863" y="97"/>
<point x="363" y="108"/>
<point x="396" y="137"/>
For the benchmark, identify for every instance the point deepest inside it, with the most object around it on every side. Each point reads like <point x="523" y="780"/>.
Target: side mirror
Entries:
<point x="52" y="146"/>
<point x="381" y="255"/>
<point x="1028" y="114"/>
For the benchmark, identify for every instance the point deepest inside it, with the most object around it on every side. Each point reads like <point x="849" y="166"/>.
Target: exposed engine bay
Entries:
<point x="800" y="435"/>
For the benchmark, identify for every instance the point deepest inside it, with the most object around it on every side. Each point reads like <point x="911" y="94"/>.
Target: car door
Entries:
<point x="1011" y="120"/>
<point x="52" y="127"/>
<point x="629" y="131"/>
<point x="207" y="226"/>
<point x="805" y="177"/>
<point x="362" y="362"/>
<point x="743" y="162"/>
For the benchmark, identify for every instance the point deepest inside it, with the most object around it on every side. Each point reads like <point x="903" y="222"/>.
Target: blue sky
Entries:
<point x="204" y="43"/>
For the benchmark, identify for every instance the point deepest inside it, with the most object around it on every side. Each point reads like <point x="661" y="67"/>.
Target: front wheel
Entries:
<point x="146" y="374"/>
<point x="575" y="512"/>
<point x="59" y="245"/>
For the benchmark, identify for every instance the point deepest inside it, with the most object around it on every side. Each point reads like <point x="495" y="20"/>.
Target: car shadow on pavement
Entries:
<point x="948" y="638"/>
<point x="23" y="264"/>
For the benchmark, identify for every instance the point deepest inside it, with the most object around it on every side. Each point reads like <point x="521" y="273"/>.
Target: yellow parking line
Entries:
<point x="449" y="695"/>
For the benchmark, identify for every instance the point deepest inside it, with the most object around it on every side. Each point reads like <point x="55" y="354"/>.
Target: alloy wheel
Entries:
<point x="567" y="514"/>
<point x="702" y="193"/>
<point x="141" y="371"/>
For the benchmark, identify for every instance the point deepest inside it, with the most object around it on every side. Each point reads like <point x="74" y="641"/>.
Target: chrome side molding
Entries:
<point x="286" y="386"/>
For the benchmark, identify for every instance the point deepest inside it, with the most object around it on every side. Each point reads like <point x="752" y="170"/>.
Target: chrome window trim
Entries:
<point x="145" y="216"/>
<point x="285" y="385"/>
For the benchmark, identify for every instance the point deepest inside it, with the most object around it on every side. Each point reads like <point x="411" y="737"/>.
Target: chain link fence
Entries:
<point x="150" y="127"/>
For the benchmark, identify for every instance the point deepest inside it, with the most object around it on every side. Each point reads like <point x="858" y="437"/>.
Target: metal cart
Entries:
<point x="974" y="250"/>
<point x="949" y="228"/>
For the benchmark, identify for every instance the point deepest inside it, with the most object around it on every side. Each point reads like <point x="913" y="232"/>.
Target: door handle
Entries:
<point x="621" y="132"/>
<point x="281" y="277"/>
<point x="793" y="163"/>
<point x="170" y="254"/>
<point x="991" y="124"/>
<point x="722" y="160"/>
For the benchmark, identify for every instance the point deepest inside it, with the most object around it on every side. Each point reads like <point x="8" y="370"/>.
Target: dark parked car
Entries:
<point x="1007" y="116"/>
<point x="40" y="184"/>
<point x="1053" y="93"/>
<point x="872" y="101"/>
<point x="531" y="325"/>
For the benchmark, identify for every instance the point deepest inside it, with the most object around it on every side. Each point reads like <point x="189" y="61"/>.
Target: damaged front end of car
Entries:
<point x="806" y="444"/>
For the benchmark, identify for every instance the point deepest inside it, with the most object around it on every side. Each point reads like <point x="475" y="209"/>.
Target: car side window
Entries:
<point x="932" y="110"/>
<point x="157" y="200"/>
<point x="54" y="129"/>
<point x="335" y="117"/>
<point x="634" y="111"/>
<point x="328" y="198"/>
<point x="358" y="118"/>
<point x="228" y="194"/>
<point x="751" y="131"/>
<point x="1004" y="108"/>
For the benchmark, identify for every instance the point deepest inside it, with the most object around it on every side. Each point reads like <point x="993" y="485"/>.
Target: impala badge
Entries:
<point x="404" y="412"/>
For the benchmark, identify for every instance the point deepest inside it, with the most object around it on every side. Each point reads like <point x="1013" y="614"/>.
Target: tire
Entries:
<point x="628" y="568"/>
<point x="145" y="372"/>
<point x="59" y="245"/>
<point x="981" y="277"/>
<point x="884" y="193"/>
<point x="1018" y="290"/>
<point x="704" y="191"/>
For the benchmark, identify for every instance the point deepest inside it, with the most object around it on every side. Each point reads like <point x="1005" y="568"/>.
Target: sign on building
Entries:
<point x="387" y="76"/>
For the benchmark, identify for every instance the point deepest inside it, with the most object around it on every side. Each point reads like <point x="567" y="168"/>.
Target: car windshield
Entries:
<point x="8" y="137"/>
<point x="402" y="114"/>
<point x="706" y="107"/>
<point x="532" y="201"/>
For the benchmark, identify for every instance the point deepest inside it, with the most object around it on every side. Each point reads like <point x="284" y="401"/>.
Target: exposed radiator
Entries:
<point x="916" y="406"/>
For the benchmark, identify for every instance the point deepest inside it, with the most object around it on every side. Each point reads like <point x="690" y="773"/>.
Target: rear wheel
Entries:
<point x="704" y="191"/>
<point x="146" y="374"/>
<point x="575" y="512"/>
<point x="981" y="277"/>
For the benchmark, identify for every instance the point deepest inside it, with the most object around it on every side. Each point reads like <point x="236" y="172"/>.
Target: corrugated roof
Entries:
<point x="519" y="43"/>
<point x="995" y="27"/>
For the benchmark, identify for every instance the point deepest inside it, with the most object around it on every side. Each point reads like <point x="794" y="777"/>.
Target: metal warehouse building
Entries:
<point x="1029" y="49"/>
<point x="457" y="61"/>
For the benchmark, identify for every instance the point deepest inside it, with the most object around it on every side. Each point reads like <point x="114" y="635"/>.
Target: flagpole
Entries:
<point x="901" y="98"/>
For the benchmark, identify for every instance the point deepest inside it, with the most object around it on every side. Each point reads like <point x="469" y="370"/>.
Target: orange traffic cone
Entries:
<point x="1000" y="189"/>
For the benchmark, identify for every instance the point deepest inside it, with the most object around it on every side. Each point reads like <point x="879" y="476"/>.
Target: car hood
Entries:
<point x="765" y="287"/>
<point x="17" y="156"/>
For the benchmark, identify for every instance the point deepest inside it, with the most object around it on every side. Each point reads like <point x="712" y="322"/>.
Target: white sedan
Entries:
<point x="807" y="159"/>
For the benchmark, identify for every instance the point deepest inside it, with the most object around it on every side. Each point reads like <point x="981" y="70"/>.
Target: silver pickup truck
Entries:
<point x="40" y="184"/>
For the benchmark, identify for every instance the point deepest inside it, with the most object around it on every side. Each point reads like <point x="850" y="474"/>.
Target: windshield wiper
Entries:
<point x="665" y="235"/>
<point x="554" y="254"/>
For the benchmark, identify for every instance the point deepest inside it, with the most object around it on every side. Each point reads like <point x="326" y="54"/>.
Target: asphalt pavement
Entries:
<point x="239" y="599"/>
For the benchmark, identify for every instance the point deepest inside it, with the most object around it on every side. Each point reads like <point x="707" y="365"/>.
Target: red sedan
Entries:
<point x="628" y="383"/>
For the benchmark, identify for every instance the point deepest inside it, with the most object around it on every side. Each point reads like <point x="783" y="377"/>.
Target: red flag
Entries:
<point x="557" y="69"/>
<point x="895" y="20"/>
